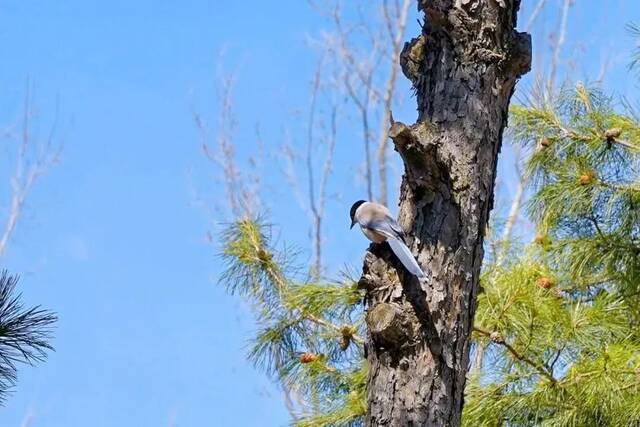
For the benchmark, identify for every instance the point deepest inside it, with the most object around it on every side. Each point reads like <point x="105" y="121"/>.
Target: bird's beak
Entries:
<point x="352" y="224"/>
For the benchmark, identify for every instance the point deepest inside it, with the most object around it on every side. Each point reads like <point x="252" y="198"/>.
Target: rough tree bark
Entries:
<point x="463" y="67"/>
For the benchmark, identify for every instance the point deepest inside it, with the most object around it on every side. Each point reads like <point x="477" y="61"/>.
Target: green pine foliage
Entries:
<point x="560" y="321"/>
<point x="25" y="333"/>
<point x="558" y="318"/>
<point x="310" y="333"/>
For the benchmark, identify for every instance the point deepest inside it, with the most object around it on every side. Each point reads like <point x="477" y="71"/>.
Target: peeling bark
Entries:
<point x="463" y="67"/>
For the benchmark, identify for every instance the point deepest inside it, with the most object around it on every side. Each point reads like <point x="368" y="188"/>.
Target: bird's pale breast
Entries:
<point x="373" y="235"/>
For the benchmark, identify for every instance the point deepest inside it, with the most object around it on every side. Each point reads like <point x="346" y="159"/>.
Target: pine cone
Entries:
<point x="308" y="357"/>
<point x="496" y="337"/>
<point x="345" y="340"/>
<point x="586" y="178"/>
<point x="612" y="133"/>
<point x="544" y="282"/>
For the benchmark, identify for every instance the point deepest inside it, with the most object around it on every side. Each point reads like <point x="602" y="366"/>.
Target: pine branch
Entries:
<point x="24" y="333"/>
<point x="496" y="338"/>
<point x="356" y="338"/>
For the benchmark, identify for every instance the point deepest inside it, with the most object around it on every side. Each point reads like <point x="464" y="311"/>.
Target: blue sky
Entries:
<point x="113" y="239"/>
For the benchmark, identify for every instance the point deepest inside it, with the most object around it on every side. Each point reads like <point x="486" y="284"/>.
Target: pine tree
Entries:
<point x="310" y="336"/>
<point x="559" y="316"/>
<point x="561" y="319"/>
<point x="24" y="333"/>
<point x="464" y="67"/>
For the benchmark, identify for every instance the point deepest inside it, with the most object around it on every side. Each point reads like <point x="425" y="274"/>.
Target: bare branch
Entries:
<point x="558" y="43"/>
<point x="315" y="210"/>
<point x="242" y="191"/>
<point x="27" y="421"/>
<point x="363" y="69"/>
<point x="32" y="160"/>
<point x="365" y="74"/>
<point x="514" y="211"/>
<point x="396" y="27"/>
<point x="323" y="91"/>
<point x="534" y="15"/>
<point x="290" y="157"/>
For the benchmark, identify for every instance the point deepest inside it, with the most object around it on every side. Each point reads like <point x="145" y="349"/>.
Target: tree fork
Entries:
<point x="464" y="67"/>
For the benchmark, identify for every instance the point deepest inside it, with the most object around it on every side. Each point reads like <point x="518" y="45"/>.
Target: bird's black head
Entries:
<point x="352" y="213"/>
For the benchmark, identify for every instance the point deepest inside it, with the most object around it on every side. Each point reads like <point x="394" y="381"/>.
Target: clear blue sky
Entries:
<point x="112" y="239"/>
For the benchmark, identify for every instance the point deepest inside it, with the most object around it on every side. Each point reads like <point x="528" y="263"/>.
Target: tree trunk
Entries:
<point x="464" y="68"/>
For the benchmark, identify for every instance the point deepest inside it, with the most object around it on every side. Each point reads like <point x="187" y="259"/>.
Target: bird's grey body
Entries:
<point x="379" y="226"/>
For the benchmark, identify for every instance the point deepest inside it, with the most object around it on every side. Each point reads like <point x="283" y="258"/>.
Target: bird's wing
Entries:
<point x="388" y="227"/>
<point x="396" y="227"/>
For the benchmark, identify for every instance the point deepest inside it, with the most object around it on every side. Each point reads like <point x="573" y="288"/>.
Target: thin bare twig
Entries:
<point x="514" y="211"/>
<point x="396" y="28"/>
<point x="27" y="421"/>
<point x="242" y="190"/>
<point x="534" y="15"/>
<point x="326" y="172"/>
<point x="316" y="210"/>
<point x="364" y="70"/>
<point x="315" y="197"/>
<point x="500" y="248"/>
<point x="291" y="158"/>
<point x="558" y="43"/>
<point x="32" y="161"/>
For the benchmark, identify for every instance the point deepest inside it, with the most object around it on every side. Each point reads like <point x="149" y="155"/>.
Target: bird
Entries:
<point x="379" y="226"/>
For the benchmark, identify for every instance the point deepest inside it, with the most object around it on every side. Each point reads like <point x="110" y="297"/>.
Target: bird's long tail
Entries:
<point x="406" y="257"/>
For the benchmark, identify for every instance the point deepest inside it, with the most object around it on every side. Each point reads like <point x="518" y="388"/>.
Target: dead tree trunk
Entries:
<point x="464" y="67"/>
